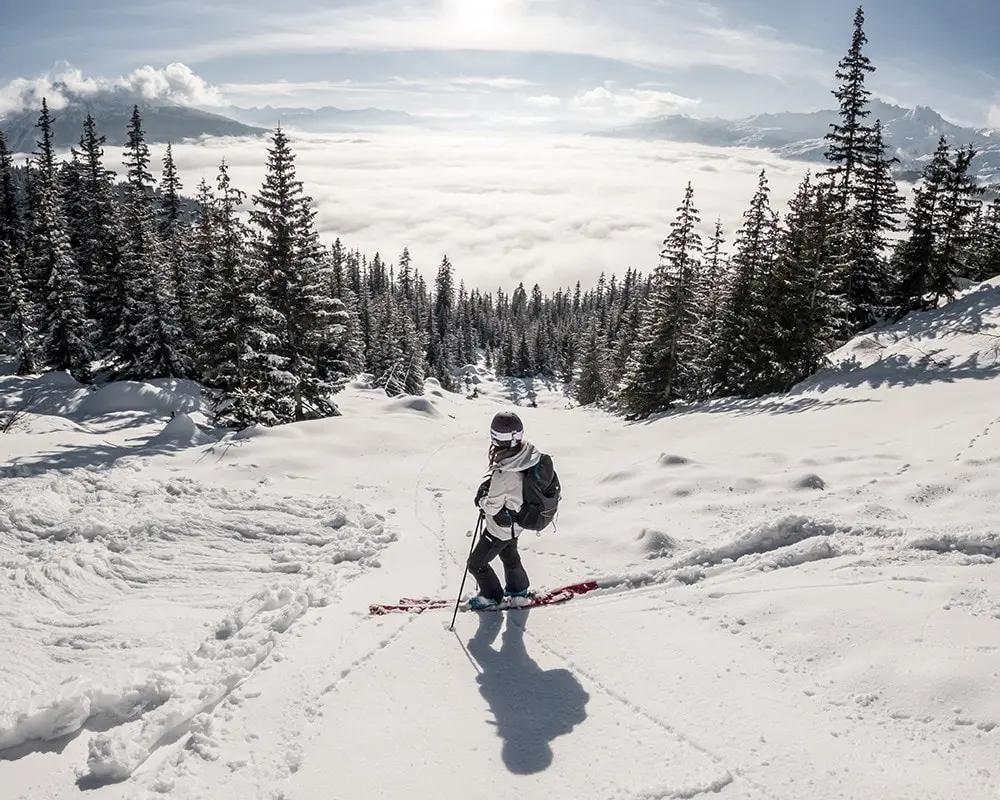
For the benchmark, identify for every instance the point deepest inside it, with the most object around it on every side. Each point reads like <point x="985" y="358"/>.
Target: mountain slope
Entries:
<point x="912" y="134"/>
<point x="161" y="123"/>
<point x="802" y="591"/>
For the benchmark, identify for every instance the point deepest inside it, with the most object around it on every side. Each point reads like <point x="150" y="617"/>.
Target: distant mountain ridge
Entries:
<point x="164" y="122"/>
<point x="319" y="120"/>
<point x="911" y="133"/>
<point x="171" y="122"/>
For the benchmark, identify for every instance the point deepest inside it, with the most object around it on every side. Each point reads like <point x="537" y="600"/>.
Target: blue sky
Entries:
<point x="516" y="59"/>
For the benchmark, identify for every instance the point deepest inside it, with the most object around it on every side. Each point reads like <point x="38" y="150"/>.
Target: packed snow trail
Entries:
<point x="801" y="593"/>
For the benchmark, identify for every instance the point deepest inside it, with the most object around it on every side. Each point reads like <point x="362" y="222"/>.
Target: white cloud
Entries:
<point x="543" y="101"/>
<point x="993" y="116"/>
<point x="504" y="207"/>
<point x="630" y="104"/>
<point x="175" y="83"/>
<point x="498" y="82"/>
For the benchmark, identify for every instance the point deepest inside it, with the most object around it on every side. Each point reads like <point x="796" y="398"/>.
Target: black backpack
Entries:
<point x="540" y="495"/>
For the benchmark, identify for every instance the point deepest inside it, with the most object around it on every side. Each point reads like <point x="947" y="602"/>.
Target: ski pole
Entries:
<point x="465" y="573"/>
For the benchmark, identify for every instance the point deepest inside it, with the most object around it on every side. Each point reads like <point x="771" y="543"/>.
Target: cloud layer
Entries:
<point x="174" y="83"/>
<point x="551" y="209"/>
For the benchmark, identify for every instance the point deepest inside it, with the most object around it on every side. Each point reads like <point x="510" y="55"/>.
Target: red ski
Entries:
<point x="545" y="597"/>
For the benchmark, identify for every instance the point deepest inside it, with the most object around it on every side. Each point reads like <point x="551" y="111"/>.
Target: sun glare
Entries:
<point x="475" y="19"/>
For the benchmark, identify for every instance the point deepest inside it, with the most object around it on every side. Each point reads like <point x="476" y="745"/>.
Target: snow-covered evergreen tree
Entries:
<point x="745" y="355"/>
<point x="307" y="327"/>
<point x="589" y="386"/>
<point x="809" y="310"/>
<point x="18" y="311"/>
<point x="234" y="325"/>
<point x="935" y="252"/>
<point x="713" y="292"/>
<point x="175" y="245"/>
<point x="660" y="369"/>
<point x="985" y="246"/>
<point x="868" y="226"/>
<point x="956" y="211"/>
<point x="99" y="250"/>
<point x="149" y="342"/>
<point x="67" y="334"/>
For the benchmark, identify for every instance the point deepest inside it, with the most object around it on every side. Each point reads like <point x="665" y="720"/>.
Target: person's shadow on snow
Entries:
<point x="531" y="706"/>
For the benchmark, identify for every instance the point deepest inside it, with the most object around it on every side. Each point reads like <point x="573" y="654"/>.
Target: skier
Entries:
<point x="500" y="497"/>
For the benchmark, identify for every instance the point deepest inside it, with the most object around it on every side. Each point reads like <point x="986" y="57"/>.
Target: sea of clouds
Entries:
<point x="505" y="207"/>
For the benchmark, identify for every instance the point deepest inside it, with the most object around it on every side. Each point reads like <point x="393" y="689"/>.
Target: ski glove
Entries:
<point x="484" y="489"/>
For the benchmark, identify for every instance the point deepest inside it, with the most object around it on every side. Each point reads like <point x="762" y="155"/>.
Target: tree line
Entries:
<point x="132" y="279"/>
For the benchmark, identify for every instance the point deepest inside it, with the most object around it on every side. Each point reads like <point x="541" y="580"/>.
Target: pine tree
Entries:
<point x="99" y="250"/>
<point x="235" y="316"/>
<point x="522" y="362"/>
<point x="848" y="138"/>
<point x="871" y="222"/>
<point x="986" y="246"/>
<point x="10" y="216"/>
<point x="956" y="211"/>
<point x="808" y="307"/>
<point x="444" y="312"/>
<point x="589" y="386"/>
<point x="743" y="355"/>
<point x="200" y="266"/>
<point x="149" y="342"/>
<point x="307" y="324"/>
<point x="18" y="314"/>
<point x="661" y="371"/>
<point x="934" y="255"/>
<point x="712" y="295"/>
<point x="398" y="352"/>
<point x="66" y="332"/>
<point x="176" y="249"/>
<point x="407" y="284"/>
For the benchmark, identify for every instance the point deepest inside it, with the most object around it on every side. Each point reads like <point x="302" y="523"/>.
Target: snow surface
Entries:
<point x="800" y="594"/>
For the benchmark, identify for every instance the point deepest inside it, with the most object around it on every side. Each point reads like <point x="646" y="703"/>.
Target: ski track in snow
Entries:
<point x="299" y="725"/>
<point x="90" y="554"/>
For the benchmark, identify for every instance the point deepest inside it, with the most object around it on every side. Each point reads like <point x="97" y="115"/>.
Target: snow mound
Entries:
<point x="53" y="393"/>
<point x="786" y="531"/>
<point x="810" y="481"/>
<point x="656" y="543"/>
<point x="181" y="431"/>
<point x="409" y="404"/>
<point x="160" y="397"/>
<point x="972" y="544"/>
<point x="672" y="460"/>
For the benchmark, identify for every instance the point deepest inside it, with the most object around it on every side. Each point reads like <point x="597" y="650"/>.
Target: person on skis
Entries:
<point x="500" y="497"/>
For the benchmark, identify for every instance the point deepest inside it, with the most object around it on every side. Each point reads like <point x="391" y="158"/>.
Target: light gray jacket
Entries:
<point x="506" y="482"/>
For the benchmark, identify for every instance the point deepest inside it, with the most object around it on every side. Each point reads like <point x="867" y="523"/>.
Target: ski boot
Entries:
<point x="518" y="599"/>
<point x="480" y="603"/>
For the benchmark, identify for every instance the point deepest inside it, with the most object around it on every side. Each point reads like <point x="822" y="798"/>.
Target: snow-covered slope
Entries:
<point x="802" y="593"/>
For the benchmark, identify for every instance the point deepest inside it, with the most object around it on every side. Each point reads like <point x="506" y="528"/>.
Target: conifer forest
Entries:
<point x="140" y="276"/>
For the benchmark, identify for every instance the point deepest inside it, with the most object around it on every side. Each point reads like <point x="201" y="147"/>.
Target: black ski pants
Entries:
<point x="483" y="553"/>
